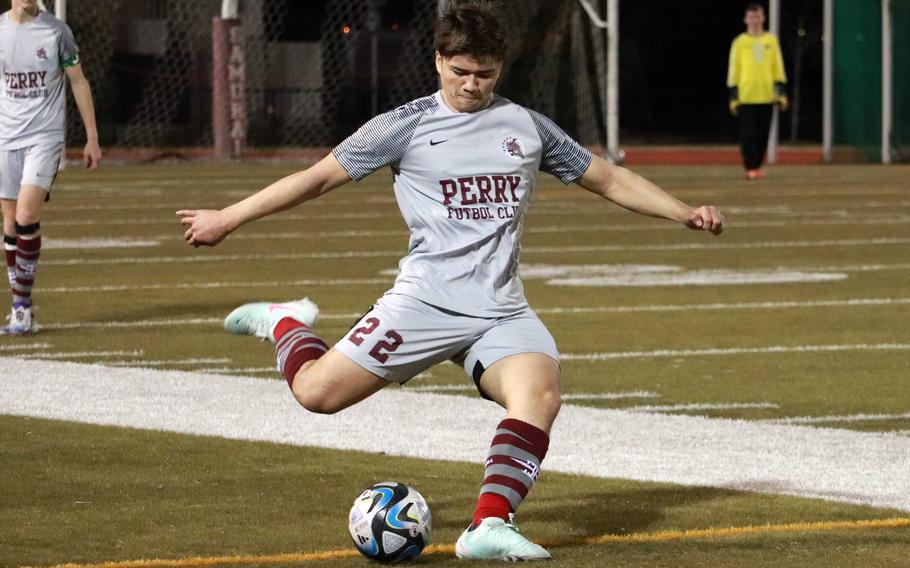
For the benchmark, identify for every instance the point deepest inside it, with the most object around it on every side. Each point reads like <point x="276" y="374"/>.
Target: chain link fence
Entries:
<point x="315" y="71"/>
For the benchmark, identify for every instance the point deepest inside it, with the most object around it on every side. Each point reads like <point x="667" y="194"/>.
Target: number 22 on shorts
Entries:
<point x="382" y="348"/>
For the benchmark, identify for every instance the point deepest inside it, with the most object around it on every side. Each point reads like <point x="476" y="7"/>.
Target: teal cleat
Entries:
<point x="495" y="539"/>
<point x="260" y="318"/>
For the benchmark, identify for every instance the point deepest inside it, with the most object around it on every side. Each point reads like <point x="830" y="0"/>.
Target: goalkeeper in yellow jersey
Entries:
<point x="756" y="79"/>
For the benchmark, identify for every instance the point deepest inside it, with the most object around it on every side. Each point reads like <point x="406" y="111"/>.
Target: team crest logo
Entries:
<point x="513" y="147"/>
<point x="41" y="53"/>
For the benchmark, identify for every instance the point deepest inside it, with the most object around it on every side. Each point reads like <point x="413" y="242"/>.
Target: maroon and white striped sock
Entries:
<point x="28" y="249"/>
<point x="512" y="467"/>
<point x="295" y="344"/>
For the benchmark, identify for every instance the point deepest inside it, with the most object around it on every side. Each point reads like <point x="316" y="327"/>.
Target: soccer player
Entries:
<point x="756" y="80"/>
<point x="465" y="164"/>
<point x="36" y="51"/>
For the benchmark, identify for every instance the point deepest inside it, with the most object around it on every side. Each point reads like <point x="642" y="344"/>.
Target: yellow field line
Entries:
<point x="662" y="536"/>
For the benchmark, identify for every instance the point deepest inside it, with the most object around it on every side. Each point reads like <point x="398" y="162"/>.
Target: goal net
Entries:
<point x="314" y="71"/>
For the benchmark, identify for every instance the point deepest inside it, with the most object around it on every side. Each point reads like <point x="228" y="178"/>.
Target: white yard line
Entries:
<point x="25" y="346"/>
<point x="720" y="246"/>
<point x="609" y="395"/>
<point x="531" y="230"/>
<point x="132" y="323"/>
<point x="702" y="406"/>
<point x="166" y="362"/>
<point x="836" y="419"/>
<point x="659" y="353"/>
<point x="854" y="302"/>
<point x="82" y="354"/>
<point x="214" y="285"/>
<point x="836" y="465"/>
<point x="236" y="370"/>
<point x="94" y="244"/>
<point x="197" y="258"/>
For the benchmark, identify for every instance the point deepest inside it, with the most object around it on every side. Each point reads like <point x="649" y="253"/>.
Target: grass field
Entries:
<point x="757" y="379"/>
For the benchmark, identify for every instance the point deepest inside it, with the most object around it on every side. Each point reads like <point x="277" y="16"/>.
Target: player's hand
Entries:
<point x="91" y="155"/>
<point x="205" y="227"/>
<point x="706" y="218"/>
<point x="734" y="106"/>
<point x="783" y="102"/>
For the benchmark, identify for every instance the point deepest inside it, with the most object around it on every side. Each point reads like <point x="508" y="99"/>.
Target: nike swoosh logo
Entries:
<point x="435" y="143"/>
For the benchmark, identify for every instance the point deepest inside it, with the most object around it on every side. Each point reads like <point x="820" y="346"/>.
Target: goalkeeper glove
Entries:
<point x="734" y="107"/>
<point x="783" y="102"/>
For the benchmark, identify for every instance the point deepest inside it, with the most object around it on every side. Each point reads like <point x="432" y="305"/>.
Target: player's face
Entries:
<point x="467" y="82"/>
<point x="29" y="5"/>
<point x="755" y="20"/>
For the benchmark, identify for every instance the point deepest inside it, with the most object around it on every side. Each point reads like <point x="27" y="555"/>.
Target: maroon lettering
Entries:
<point x="449" y="190"/>
<point x="467" y="196"/>
<point x="513" y="185"/>
<point x="499" y="186"/>
<point x="381" y="350"/>
<point x="23" y="77"/>
<point x="484" y="187"/>
<point x="42" y="74"/>
<point x="32" y="80"/>
<point x="356" y="339"/>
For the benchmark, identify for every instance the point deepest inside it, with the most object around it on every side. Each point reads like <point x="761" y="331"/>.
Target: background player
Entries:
<point x="756" y="80"/>
<point x="465" y="163"/>
<point x="36" y="49"/>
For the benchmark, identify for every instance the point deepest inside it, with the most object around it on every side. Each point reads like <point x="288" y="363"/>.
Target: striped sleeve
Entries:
<point x="561" y="155"/>
<point x="383" y="140"/>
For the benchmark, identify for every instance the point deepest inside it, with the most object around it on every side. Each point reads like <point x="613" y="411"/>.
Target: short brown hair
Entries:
<point x="472" y="27"/>
<point x="754" y="7"/>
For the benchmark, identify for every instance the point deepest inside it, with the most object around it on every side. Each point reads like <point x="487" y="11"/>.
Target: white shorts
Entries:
<point x="33" y="165"/>
<point x="402" y="336"/>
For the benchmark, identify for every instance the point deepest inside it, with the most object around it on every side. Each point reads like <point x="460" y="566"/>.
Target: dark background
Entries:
<point x="673" y="64"/>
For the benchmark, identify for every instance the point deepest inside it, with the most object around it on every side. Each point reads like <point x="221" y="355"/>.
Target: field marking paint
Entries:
<point x="235" y="370"/>
<point x="702" y="406"/>
<point x="531" y="230"/>
<point x="449" y="549"/>
<point x="93" y="244"/>
<point x="83" y="354"/>
<point x="835" y="419"/>
<point x="216" y="285"/>
<point x="854" y="302"/>
<point x="732" y="351"/>
<point x="610" y="395"/>
<point x="527" y="250"/>
<point x="721" y="246"/>
<point x="833" y="464"/>
<point x="166" y="362"/>
<point x="25" y="346"/>
<point x="132" y="323"/>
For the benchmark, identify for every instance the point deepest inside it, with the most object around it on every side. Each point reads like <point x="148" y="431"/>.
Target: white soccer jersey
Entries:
<point x="32" y="95"/>
<point x="463" y="182"/>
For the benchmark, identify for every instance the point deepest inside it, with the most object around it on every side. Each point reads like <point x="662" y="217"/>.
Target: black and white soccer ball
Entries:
<point x="390" y="522"/>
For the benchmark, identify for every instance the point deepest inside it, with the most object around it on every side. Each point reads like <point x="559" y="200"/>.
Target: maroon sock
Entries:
<point x="295" y="344"/>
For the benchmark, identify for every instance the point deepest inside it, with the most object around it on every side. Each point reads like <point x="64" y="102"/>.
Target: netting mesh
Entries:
<point x="149" y="63"/>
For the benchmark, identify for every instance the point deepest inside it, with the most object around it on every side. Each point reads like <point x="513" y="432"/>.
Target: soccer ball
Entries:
<point x="390" y="522"/>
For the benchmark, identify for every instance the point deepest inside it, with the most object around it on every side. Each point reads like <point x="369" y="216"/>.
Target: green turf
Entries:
<point x="78" y="493"/>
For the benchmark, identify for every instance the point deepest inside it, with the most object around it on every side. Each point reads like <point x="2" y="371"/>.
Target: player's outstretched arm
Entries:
<point x="208" y="227"/>
<point x="630" y="190"/>
<point x="82" y="93"/>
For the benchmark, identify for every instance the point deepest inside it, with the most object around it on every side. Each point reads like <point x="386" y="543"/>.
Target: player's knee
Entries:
<point x="550" y="402"/>
<point x="313" y="398"/>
